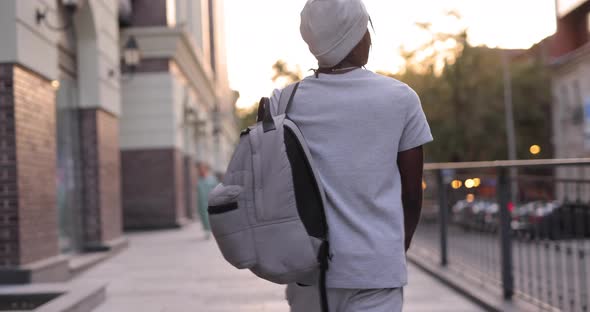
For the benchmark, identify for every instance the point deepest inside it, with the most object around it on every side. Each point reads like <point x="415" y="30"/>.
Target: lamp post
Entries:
<point x="509" y="117"/>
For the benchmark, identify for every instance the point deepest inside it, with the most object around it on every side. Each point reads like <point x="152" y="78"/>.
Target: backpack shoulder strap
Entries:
<point x="286" y="98"/>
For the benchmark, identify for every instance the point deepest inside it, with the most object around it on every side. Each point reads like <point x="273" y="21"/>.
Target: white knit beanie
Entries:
<point x="332" y="28"/>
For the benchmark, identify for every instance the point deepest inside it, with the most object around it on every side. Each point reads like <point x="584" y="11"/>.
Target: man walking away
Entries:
<point x="365" y="133"/>
<point x="206" y="183"/>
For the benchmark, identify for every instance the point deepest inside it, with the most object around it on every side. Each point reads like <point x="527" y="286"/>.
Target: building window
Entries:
<point x="171" y="13"/>
<point x="577" y="94"/>
<point x="564" y="97"/>
<point x="576" y="104"/>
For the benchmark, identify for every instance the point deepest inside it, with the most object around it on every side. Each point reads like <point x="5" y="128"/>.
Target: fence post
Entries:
<point x="443" y="216"/>
<point x="503" y="193"/>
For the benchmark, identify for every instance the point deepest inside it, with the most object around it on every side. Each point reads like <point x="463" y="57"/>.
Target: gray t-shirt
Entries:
<point x="355" y="124"/>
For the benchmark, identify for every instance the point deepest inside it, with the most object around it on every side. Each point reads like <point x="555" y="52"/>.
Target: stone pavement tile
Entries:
<point x="425" y="294"/>
<point x="178" y="271"/>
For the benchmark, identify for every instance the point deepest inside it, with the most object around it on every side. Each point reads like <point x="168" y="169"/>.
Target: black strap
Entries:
<point x="286" y="98"/>
<point x="291" y="98"/>
<point x="323" y="258"/>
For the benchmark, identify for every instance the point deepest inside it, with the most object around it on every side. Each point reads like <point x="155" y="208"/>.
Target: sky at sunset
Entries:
<point x="259" y="32"/>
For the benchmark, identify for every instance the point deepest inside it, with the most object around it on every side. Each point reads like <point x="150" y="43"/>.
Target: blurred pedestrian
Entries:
<point x="365" y="133"/>
<point x="206" y="183"/>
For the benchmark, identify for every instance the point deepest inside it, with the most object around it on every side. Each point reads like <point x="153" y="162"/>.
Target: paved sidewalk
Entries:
<point x="177" y="271"/>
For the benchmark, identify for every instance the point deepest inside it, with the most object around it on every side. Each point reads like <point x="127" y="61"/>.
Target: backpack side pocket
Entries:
<point x="230" y="227"/>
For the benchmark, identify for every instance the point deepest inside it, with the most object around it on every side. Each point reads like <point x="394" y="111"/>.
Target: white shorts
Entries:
<point x="307" y="299"/>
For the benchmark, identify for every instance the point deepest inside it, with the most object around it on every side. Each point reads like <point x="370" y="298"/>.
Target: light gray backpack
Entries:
<point x="268" y="213"/>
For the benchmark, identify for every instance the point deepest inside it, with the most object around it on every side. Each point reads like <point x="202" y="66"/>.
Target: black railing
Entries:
<point x="521" y="227"/>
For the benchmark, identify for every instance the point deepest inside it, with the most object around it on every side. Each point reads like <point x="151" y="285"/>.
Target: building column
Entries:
<point x="101" y="180"/>
<point x="190" y="175"/>
<point x="153" y="188"/>
<point x="29" y="249"/>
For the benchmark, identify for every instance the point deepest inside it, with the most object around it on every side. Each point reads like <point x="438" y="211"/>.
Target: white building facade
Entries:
<point x="177" y="109"/>
<point x="570" y="63"/>
<point x="89" y="144"/>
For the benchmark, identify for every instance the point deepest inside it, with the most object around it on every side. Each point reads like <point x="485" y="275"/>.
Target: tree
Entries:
<point x="283" y="75"/>
<point x="461" y="89"/>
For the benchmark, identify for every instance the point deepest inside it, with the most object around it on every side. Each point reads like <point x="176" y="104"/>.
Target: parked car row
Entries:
<point x="553" y="220"/>
<point x="537" y="219"/>
<point x="476" y="215"/>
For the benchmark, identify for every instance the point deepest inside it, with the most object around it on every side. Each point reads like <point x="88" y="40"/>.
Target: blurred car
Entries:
<point x="476" y="215"/>
<point x="555" y="220"/>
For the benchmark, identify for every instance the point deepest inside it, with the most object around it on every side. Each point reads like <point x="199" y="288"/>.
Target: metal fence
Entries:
<point x="522" y="227"/>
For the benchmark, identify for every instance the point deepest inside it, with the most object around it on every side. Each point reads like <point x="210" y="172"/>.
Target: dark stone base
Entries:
<point x="157" y="226"/>
<point x="61" y="268"/>
<point x="60" y="297"/>
<point x="115" y="245"/>
<point x="52" y="270"/>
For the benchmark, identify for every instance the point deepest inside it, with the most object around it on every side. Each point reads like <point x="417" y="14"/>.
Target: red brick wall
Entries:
<point x="195" y="193"/>
<point x="149" y="13"/>
<point x="101" y="195"/>
<point x="191" y="186"/>
<point x="180" y="185"/>
<point x="8" y="180"/>
<point x="572" y="31"/>
<point x="109" y="176"/>
<point x="28" y="218"/>
<point x="152" y="188"/>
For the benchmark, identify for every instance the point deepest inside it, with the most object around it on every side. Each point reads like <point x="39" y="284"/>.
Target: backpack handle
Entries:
<point x="268" y="123"/>
<point x="285" y="101"/>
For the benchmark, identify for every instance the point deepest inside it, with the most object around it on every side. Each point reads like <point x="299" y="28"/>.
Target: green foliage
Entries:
<point x="284" y="75"/>
<point x="247" y="116"/>
<point x="283" y="72"/>
<point x="464" y="103"/>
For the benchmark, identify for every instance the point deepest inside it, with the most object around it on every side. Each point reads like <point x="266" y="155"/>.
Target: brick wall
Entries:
<point x="195" y="193"/>
<point x="109" y="176"/>
<point x="149" y="13"/>
<point x="572" y="31"/>
<point x="152" y="188"/>
<point x="180" y="185"/>
<point x="8" y="182"/>
<point x="101" y="195"/>
<point x="190" y="186"/>
<point x="28" y="218"/>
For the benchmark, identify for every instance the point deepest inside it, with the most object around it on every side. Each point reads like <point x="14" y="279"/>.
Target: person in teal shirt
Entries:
<point x="206" y="183"/>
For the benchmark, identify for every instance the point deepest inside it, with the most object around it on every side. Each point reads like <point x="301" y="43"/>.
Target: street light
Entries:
<point x="477" y="182"/>
<point x="131" y="53"/>
<point x="509" y="116"/>
<point x="535" y="149"/>
<point x="131" y="57"/>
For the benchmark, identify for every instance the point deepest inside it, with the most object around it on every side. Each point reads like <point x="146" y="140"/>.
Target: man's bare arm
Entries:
<point x="410" y="164"/>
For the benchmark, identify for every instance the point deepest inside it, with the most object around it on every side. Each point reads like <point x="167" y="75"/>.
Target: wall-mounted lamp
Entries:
<point x="131" y="53"/>
<point x="70" y="7"/>
<point x="131" y="56"/>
